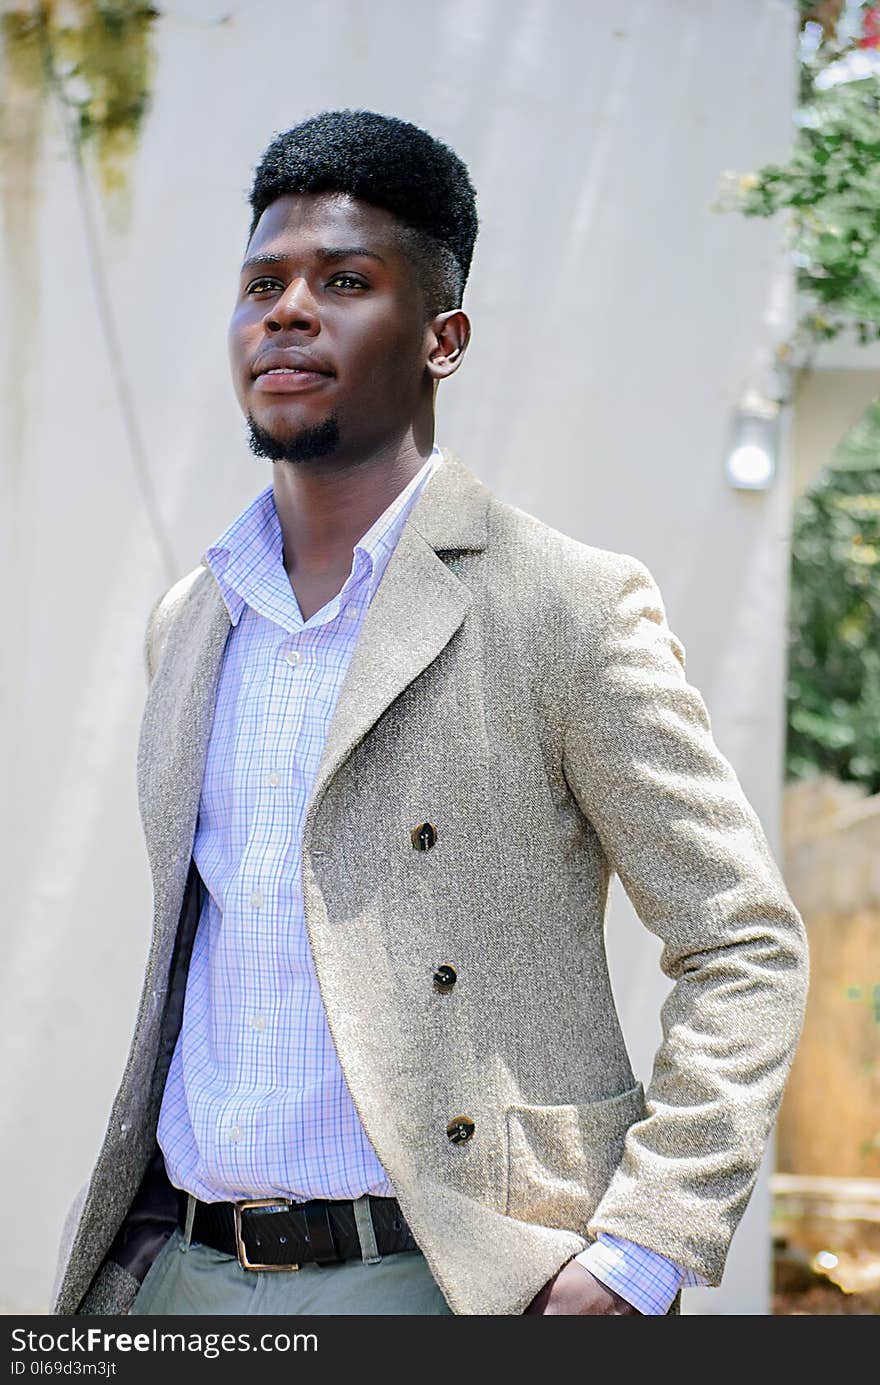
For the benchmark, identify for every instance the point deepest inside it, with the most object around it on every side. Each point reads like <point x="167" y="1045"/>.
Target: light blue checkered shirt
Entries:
<point x="255" y="1104"/>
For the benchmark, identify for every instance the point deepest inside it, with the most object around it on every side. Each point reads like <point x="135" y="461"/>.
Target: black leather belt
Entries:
<point x="274" y="1234"/>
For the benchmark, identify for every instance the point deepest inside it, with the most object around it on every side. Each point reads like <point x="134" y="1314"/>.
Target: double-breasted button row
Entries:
<point x="461" y="1128"/>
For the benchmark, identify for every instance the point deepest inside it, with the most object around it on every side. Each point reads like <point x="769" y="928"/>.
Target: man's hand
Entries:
<point x="574" y="1291"/>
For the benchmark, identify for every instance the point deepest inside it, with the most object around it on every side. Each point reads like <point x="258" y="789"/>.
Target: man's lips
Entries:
<point x="288" y="381"/>
<point x="288" y="372"/>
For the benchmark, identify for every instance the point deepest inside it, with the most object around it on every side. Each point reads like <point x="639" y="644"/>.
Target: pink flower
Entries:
<point x="870" y="29"/>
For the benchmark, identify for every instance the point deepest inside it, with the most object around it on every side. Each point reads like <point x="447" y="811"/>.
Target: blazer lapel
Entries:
<point x="417" y="607"/>
<point x="174" y="740"/>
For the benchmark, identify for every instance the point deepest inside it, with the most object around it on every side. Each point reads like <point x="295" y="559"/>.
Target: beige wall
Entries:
<point x="830" y="1120"/>
<point x="827" y="403"/>
<point x="617" y="320"/>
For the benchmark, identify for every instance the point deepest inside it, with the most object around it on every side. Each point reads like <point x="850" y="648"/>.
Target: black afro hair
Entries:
<point x="389" y="163"/>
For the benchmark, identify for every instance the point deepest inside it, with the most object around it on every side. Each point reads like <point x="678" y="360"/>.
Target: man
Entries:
<point x="398" y="737"/>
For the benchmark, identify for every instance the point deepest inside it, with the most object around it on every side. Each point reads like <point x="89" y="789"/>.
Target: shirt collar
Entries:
<point x="247" y="559"/>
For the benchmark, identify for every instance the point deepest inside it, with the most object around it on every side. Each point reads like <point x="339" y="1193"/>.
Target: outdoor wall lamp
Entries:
<point x="750" y="463"/>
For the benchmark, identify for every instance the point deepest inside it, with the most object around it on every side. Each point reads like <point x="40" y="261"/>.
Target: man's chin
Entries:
<point x="309" y="444"/>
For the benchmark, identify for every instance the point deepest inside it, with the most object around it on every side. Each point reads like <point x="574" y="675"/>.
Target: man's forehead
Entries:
<point x="301" y="217"/>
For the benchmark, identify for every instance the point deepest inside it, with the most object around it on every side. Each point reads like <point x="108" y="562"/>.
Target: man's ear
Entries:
<point x="449" y="334"/>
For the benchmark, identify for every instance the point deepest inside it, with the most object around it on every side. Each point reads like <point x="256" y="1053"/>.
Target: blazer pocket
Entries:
<point x="560" y="1159"/>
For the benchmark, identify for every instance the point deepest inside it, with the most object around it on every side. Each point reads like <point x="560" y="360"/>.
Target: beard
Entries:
<point x="321" y="440"/>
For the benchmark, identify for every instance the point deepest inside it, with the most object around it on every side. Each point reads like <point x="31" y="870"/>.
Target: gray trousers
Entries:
<point x="196" y="1279"/>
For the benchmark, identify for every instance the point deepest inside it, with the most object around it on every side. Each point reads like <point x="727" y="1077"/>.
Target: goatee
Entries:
<point x="321" y="440"/>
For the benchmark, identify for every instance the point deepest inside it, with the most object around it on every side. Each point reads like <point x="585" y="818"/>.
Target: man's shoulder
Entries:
<point x="168" y="608"/>
<point x="557" y="563"/>
<point x="519" y="541"/>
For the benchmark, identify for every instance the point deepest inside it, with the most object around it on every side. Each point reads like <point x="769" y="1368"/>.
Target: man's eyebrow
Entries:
<point x="328" y="253"/>
<point x="346" y="252"/>
<point x="254" y="261"/>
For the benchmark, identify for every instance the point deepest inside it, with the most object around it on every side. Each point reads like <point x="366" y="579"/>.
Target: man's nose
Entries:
<point x="296" y="308"/>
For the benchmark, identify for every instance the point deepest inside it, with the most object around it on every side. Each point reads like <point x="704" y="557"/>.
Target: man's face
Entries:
<point x="325" y="284"/>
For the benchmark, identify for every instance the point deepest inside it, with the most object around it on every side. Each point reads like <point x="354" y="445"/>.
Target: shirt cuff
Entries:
<point x="645" y="1279"/>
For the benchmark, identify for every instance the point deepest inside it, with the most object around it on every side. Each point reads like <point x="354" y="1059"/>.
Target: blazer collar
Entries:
<point x="451" y="512"/>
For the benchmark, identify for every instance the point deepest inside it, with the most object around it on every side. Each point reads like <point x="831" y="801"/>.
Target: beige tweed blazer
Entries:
<point x="521" y="692"/>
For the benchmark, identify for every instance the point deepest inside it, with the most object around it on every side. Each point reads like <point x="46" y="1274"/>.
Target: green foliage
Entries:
<point x="834" y="657"/>
<point x="830" y="188"/>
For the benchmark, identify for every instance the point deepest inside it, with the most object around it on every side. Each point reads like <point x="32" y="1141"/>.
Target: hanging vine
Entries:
<point x="96" y="59"/>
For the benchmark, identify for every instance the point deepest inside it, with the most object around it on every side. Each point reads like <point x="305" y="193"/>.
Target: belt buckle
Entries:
<point x="282" y="1203"/>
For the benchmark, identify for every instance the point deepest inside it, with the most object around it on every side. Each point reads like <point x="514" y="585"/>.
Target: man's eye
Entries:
<point x="351" y="281"/>
<point x="260" y="285"/>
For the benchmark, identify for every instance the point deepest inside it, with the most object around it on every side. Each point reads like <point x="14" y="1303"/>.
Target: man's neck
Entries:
<point x="324" y="507"/>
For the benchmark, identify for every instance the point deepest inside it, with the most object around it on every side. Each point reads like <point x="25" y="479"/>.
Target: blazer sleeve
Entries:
<point x="694" y="860"/>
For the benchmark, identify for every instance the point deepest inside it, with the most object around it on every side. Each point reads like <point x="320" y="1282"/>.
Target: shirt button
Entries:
<point x="257" y="899"/>
<point x="292" y="657"/>
<point x="235" y="1134"/>
<point x="273" y="778"/>
<point x="258" y="1022"/>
